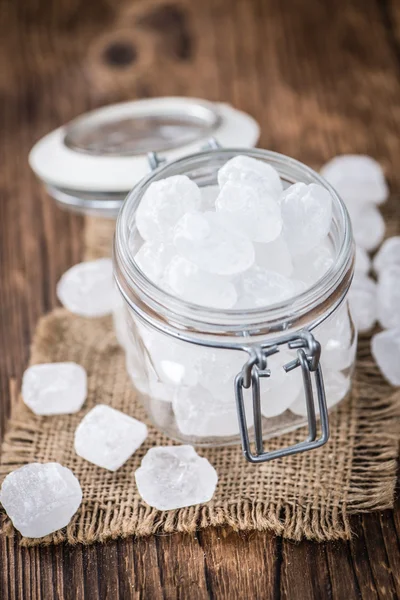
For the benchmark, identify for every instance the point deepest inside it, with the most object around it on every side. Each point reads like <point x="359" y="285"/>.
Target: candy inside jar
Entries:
<point x="220" y="253"/>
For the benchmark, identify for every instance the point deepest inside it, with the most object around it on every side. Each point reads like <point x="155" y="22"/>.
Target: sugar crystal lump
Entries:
<point x="107" y="437"/>
<point x="250" y="171"/>
<point x="388" y="295"/>
<point x="313" y="265"/>
<point x="274" y="256"/>
<point x="163" y="204"/>
<point x="40" y="498"/>
<point x="204" y="239"/>
<point x="248" y="209"/>
<point x="385" y="348"/>
<point x="87" y="289"/>
<point x="172" y="477"/>
<point x="363" y="262"/>
<point x="336" y="388"/>
<point x="195" y="285"/>
<point x="357" y="178"/>
<point x="307" y="215"/>
<point x="199" y="413"/>
<point x="259" y="287"/>
<point x="54" y="388"/>
<point x="153" y="257"/>
<point x="368" y="226"/>
<point x="362" y="297"/>
<point x="388" y="254"/>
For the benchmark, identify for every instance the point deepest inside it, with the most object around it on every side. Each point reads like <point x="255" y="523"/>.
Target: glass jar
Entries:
<point x="197" y="369"/>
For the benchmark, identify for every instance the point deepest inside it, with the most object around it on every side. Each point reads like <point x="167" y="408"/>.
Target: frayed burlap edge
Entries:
<point x="374" y="415"/>
<point x="371" y="488"/>
<point x="370" y="482"/>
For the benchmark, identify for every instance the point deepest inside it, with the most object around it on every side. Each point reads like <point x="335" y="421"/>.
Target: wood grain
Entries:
<point x="322" y="78"/>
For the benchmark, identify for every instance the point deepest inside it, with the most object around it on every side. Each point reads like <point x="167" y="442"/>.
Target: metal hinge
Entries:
<point x="256" y="368"/>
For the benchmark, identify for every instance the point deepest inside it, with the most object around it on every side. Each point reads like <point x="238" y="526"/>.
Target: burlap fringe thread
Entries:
<point x="306" y="496"/>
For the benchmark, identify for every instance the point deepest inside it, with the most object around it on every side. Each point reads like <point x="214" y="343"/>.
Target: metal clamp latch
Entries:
<point x="156" y="161"/>
<point x="308" y="355"/>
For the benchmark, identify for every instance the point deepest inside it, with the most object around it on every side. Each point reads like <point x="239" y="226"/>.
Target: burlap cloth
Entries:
<point x="311" y="495"/>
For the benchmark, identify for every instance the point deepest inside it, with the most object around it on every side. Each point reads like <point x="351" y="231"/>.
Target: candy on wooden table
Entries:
<point x="385" y="348"/>
<point x="363" y="262"/>
<point x="388" y="297"/>
<point x="108" y="437"/>
<point x="54" y="388"/>
<point x="87" y="289"/>
<point x="40" y="498"/>
<point x="173" y="477"/>
<point x="368" y="226"/>
<point x="357" y="178"/>
<point x="363" y="306"/>
<point x="388" y="254"/>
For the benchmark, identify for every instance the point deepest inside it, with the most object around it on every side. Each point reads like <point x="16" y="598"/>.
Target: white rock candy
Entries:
<point x="163" y="204"/>
<point x="337" y="340"/>
<point x="388" y="254"/>
<point x="385" y="348"/>
<point x="336" y="388"/>
<point x="274" y="256"/>
<point x="54" y="388"/>
<point x="153" y="257"/>
<point x="388" y="297"/>
<point x="363" y="306"/>
<point x="357" y="178"/>
<point x="363" y="262"/>
<point x="190" y="283"/>
<point x="217" y="369"/>
<point x="281" y="389"/>
<point x="209" y="195"/>
<point x="87" y="289"/>
<point x="136" y="371"/>
<point x="249" y="210"/>
<point x="172" y="477"/>
<point x="107" y="437"/>
<point x="258" y="287"/>
<point x="173" y="361"/>
<point x="204" y="239"/>
<point x="368" y="226"/>
<point x="313" y="265"/>
<point x="253" y="172"/>
<point x="307" y="214"/>
<point x="40" y="498"/>
<point x="198" y="413"/>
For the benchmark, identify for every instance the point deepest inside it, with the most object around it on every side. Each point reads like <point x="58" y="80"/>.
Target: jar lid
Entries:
<point x="97" y="158"/>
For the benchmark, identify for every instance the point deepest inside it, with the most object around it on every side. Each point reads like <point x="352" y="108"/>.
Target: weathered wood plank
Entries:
<point x="320" y="81"/>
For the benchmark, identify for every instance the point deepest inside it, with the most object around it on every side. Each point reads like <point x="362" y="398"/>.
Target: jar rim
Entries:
<point x="156" y="305"/>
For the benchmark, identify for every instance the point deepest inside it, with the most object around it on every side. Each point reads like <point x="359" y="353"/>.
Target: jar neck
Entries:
<point x="165" y="311"/>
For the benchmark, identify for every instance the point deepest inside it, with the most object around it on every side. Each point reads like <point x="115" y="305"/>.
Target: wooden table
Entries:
<point x="322" y="78"/>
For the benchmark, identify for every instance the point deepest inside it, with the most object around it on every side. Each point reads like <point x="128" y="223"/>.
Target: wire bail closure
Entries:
<point x="255" y="369"/>
<point x="156" y="161"/>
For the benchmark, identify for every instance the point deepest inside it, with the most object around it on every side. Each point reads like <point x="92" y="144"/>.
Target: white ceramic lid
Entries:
<point x="106" y="150"/>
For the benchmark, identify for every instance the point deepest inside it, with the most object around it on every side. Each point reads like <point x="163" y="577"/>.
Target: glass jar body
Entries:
<point x="184" y="377"/>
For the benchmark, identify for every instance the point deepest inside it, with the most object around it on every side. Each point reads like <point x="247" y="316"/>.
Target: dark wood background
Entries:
<point x="322" y="77"/>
